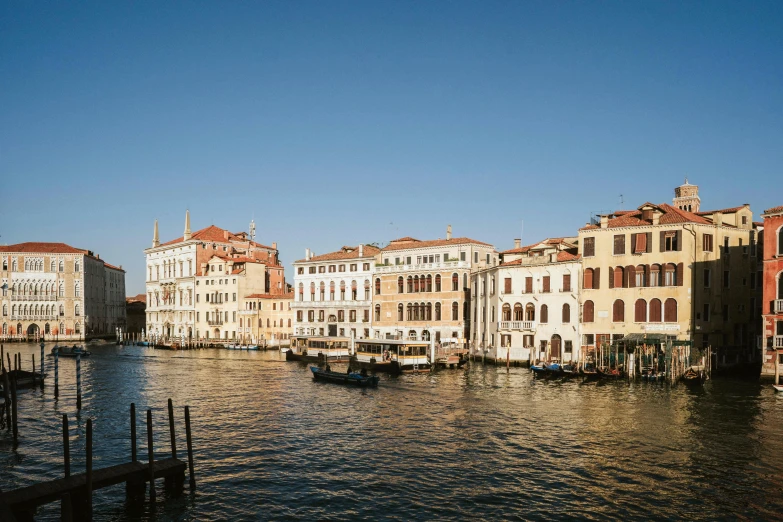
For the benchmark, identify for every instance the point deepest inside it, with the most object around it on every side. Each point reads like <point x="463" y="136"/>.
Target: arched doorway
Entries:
<point x="554" y="351"/>
<point x="425" y="335"/>
<point x="190" y="333"/>
<point x="46" y="329"/>
<point x="167" y="329"/>
<point x="32" y="331"/>
<point x="216" y="333"/>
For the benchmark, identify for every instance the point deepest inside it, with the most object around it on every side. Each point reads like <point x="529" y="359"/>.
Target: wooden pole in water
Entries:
<point x="14" y="413"/>
<point x="33" y="372"/>
<point x="66" y="447"/>
<point x="66" y="510"/>
<point x="171" y="431"/>
<point x="777" y="367"/>
<point x="89" y="469"/>
<point x="7" y="399"/>
<point x="56" y="373"/>
<point x="78" y="381"/>
<point x="42" y="365"/>
<point x="2" y="358"/>
<point x="134" y="457"/>
<point x="190" y="448"/>
<point x="8" y="356"/>
<point x="151" y="456"/>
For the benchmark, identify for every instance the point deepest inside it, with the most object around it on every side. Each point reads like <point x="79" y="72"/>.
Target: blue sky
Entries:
<point x="336" y="123"/>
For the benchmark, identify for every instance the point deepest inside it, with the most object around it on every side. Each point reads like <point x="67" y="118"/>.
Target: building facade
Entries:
<point x="421" y="289"/>
<point x="527" y="308"/>
<point x="174" y="287"/>
<point x="135" y="311"/>
<point x="660" y="269"/>
<point x="333" y="292"/>
<point x="54" y="290"/>
<point x="267" y="319"/>
<point x="772" y="282"/>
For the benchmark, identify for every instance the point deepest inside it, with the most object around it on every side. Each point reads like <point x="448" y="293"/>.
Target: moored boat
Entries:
<point x="319" y="349"/>
<point x="392" y="355"/>
<point x="70" y="351"/>
<point x="23" y="379"/>
<point x="609" y="374"/>
<point x="694" y="376"/>
<point x="350" y="378"/>
<point x="778" y="387"/>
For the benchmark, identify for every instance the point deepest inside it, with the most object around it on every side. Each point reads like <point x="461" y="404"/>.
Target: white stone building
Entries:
<point x="59" y="292"/>
<point x="527" y="308"/>
<point x="333" y="294"/>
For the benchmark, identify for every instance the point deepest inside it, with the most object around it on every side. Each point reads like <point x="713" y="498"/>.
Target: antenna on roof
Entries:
<point x="622" y="201"/>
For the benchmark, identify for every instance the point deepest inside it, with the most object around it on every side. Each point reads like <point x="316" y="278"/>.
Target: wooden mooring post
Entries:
<point x="57" y="374"/>
<point x="151" y="455"/>
<point x="14" y="413"/>
<point x="78" y="381"/>
<point x="7" y="399"/>
<point x="190" y="448"/>
<point x="42" y="365"/>
<point x="66" y="446"/>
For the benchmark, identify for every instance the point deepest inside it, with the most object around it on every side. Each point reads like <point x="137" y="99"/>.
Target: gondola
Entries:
<point x="694" y="377"/>
<point x="24" y="379"/>
<point x="70" y="351"/>
<point x="609" y="374"/>
<point x="778" y="387"/>
<point x="539" y="370"/>
<point x="351" y="379"/>
<point x="569" y="371"/>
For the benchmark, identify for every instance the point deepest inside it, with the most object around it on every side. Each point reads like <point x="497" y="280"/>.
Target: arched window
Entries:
<point x="428" y="312"/>
<point x="780" y="285"/>
<point x="437" y="311"/>
<point x="62" y="328"/>
<point x="670" y="274"/>
<point x="377" y="312"/>
<point x="301" y="291"/>
<point x="5" y="267"/>
<point x="5" y="310"/>
<point x="429" y="284"/>
<point x="367" y="295"/>
<point x="409" y="312"/>
<point x="780" y="241"/>
<point x="61" y="267"/>
<point x="312" y="291"/>
<point x="416" y="287"/>
<point x="410" y="284"/>
<point x="640" y="311"/>
<point x="530" y="312"/>
<point x="655" y="310"/>
<point x="519" y="312"/>
<point x="52" y="266"/>
<point x="566" y="313"/>
<point x="14" y="266"/>
<point x="506" y="312"/>
<point x="642" y="277"/>
<point x="5" y="325"/>
<point x="399" y="312"/>
<point x="618" y="311"/>
<point x="670" y="311"/>
<point x="62" y="309"/>
<point x="588" y="312"/>
<point x="544" y="314"/>
<point x="77" y="328"/>
<point x="437" y="283"/>
<point x="618" y="277"/>
<point x="342" y="290"/>
<point x="588" y="278"/>
<point x="400" y="285"/>
<point x="322" y="288"/>
<point x="377" y="286"/>
<point x="454" y="282"/>
<point x="492" y="286"/>
<point x="331" y="293"/>
<point x="76" y="266"/>
<point x="454" y="311"/>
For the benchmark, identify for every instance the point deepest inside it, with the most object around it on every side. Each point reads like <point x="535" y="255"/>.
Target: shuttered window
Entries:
<point x="706" y="243"/>
<point x="507" y="285"/>
<point x="641" y="243"/>
<point x="640" y="311"/>
<point x="670" y="311"/>
<point x="544" y="314"/>
<point x="655" y="311"/>
<point x="618" y="311"/>
<point x="566" y="313"/>
<point x="588" y="312"/>
<point x="588" y="278"/>
<point x="528" y="285"/>
<point x="671" y="240"/>
<point x="630" y="277"/>
<point x="619" y="245"/>
<point x="566" y="282"/>
<point x="617" y="277"/>
<point x="597" y="278"/>
<point x="589" y="247"/>
<point x="546" y="284"/>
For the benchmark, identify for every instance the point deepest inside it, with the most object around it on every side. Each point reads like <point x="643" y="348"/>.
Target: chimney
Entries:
<point x="604" y="221"/>
<point x="225" y="234"/>
<point x="448" y="232"/>
<point x="717" y="218"/>
<point x="307" y="254"/>
<point x="186" y="235"/>
<point x="155" y="240"/>
<point x="518" y="243"/>
<point x="274" y="245"/>
<point x="361" y="250"/>
<point x="656" y="217"/>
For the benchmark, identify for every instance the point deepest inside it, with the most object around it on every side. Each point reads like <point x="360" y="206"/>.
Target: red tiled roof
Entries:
<point x="520" y="250"/>
<point x="723" y="211"/>
<point x="216" y="235"/>
<point x="343" y="253"/>
<point x="671" y="216"/>
<point x="567" y="256"/>
<point x="774" y="210"/>
<point x="405" y="239"/>
<point x="547" y="242"/>
<point x="432" y="243"/>
<point x="562" y="257"/>
<point x="139" y="297"/>
<point x="289" y="295"/>
<point x="112" y="267"/>
<point x="40" y="247"/>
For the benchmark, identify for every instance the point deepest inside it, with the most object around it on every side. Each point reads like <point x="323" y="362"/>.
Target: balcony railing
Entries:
<point x="517" y="325"/>
<point x="442" y="265"/>
<point x="41" y="317"/>
<point x="779" y="306"/>
<point x="778" y="341"/>
<point x="215" y="323"/>
<point x="330" y="304"/>
<point x="40" y="297"/>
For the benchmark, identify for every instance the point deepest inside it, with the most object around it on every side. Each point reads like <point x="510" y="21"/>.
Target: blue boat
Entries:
<point x="350" y="378"/>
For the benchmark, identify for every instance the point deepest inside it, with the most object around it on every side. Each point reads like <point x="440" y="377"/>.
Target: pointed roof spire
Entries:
<point x="155" y="238"/>
<point x="186" y="235"/>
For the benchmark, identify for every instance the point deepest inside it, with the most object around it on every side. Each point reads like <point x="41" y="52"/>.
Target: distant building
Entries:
<point x="192" y="280"/>
<point x="527" y="308"/>
<point x="266" y="319"/>
<point x="333" y="292"/>
<point x="58" y="291"/>
<point x="135" y="310"/>
<point x="772" y="301"/>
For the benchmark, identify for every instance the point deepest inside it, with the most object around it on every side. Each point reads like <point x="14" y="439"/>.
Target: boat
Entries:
<point x="539" y="370"/>
<point x="24" y="379"/>
<point x="319" y="349"/>
<point x="694" y="376"/>
<point x="350" y="378"/>
<point x="392" y="355"/>
<point x="569" y="370"/>
<point x="778" y="387"/>
<point x="609" y="374"/>
<point x="70" y="351"/>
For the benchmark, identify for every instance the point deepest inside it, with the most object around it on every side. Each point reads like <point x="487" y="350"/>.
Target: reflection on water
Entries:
<point x="478" y="443"/>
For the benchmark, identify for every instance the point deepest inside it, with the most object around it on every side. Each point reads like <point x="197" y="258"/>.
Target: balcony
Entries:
<point x="778" y="306"/>
<point x="517" y="325"/>
<point x="41" y="317"/>
<point x="777" y="341"/>
<point x="442" y="265"/>
<point x="215" y="323"/>
<point x="42" y="297"/>
<point x="331" y="304"/>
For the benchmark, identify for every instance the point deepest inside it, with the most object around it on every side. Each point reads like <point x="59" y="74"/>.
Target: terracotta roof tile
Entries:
<point x="215" y="234"/>
<point x="723" y="211"/>
<point x="344" y="253"/>
<point x="41" y="247"/>
<point x="405" y="239"/>
<point x="112" y="267"/>
<point x="433" y="243"/>
<point x="774" y="210"/>
<point x="567" y="256"/>
<point x="137" y="298"/>
<point x="289" y="295"/>
<point x="670" y="216"/>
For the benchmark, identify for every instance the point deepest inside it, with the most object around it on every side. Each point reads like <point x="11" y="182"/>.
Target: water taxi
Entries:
<point x="319" y="349"/>
<point x="391" y="355"/>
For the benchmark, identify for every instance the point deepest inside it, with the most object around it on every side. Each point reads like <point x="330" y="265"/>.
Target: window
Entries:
<point x="454" y="282"/>
<point x="75" y="266"/>
<point x="311" y="270"/>
<point x="641" y="275"/>
<point x="670" y="311"/>
<point x="454" y="311"/>
<point x="528" y="285"/>
<point x="546" y="285"/>
<point x="352" y="316"/>
<point x="332" y="268"/>
<point x="507" y="285"/>
<point x="589" y="247"/>
<point x="321" y="269"/>
<point x="544" y="314"/>
<point x="437" y="283"/>
<point x="377" y="286"/>
<point x="670" y="240"/>
<point x="641" y="242"/>
<point x="706" y="242"/>
<point x="341" y="268"/>
<point x="706" y="312"/>
<point x="618" y="311"/>
<point x="566" y="313"/>
<point x="233" y="299"/>
<point x="707" y="277"/>
<point x="726" y="245"/>
<point x="670" y="275"/>
<point x="475" y="257"/>
<point x="353" y="267"/>
<point x="618" y="277"/>
<point x="400" y="285"/>
<point x="367" y="316"/>
<point x="400" y="309"/>
<point x="462" y="256"/>
<point x="340" y="316"/>
<point x="780" y="241"/>
<point x="640" y="311"/>
<point x="619" y="245"/>
<point x="566" y="282"/>
<point x="76" y="309"/>
<point x="76" y="290"/>
<point x="366" y="266"/>
<point x="588" y="278"/>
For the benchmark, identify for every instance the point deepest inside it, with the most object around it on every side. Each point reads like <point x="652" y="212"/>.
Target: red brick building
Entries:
<point x="772" y="307"/>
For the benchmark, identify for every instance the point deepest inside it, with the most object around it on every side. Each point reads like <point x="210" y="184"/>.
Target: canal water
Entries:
<point x="480" y="443"/>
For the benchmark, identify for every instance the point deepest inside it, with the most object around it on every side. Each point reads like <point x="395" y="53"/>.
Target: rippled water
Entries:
<point x="478" y="443"/>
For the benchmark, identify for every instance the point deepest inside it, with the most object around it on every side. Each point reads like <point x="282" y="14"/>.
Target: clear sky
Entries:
<point x="334" y="123"/>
